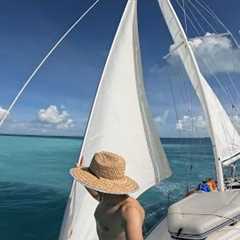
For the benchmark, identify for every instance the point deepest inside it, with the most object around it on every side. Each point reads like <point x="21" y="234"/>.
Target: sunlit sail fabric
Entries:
<point x="119" y="122"/>
<point x="225" y="138"/>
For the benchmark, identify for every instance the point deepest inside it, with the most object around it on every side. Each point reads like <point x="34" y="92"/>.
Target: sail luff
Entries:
<point x="224" y="136"/>
<point x="100" y="84"/>
<point x="161" y="168"/>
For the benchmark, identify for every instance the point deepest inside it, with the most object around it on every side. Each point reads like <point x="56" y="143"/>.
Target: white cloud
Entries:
<point x="65" y="125"/>
<point x="52" y="120"/>
<point x="215" y="54"/>
<point x="220" y="55"/>
<point x="2" y="112"/>
<point x="198" y="124"/>
<point x="189" y="124"/>
<point x="161" y="119"/>
<point x="53" y="116"/>
<point x="216" y="51"/>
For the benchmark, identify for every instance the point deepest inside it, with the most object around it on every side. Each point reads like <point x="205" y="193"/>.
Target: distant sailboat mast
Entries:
<point x="224" y="136"/>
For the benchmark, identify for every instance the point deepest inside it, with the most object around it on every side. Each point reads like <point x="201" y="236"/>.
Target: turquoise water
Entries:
<point x="34" y="182"/>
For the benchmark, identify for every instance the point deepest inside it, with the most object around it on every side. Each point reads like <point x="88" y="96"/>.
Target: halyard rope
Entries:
<point x="62" y="38"/>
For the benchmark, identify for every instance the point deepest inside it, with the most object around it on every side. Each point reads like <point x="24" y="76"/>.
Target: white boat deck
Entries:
<point x="198" y="217"/>
<point x="227" y="233"/>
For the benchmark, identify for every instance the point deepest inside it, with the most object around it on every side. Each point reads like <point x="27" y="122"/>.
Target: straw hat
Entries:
<point x="105" y="174"/>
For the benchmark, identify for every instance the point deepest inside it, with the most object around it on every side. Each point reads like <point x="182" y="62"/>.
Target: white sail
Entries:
<point x="225" y="138"/>
<point x="119" y="122"/>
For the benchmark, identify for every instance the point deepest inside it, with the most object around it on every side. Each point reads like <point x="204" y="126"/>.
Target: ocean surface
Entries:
<point x="34" y="182"/>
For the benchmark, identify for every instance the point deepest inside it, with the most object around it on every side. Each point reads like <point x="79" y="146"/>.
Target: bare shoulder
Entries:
<point x="131" y="208"/>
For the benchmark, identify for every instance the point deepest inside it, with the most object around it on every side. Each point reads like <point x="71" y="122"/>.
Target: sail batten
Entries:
<point x="120" y="122"/>
<point x="224" y="136"/>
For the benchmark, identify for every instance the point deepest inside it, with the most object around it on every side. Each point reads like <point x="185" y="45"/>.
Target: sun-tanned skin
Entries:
<point x="118" y="217"/>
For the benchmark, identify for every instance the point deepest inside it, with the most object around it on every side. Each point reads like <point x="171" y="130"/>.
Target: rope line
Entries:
<point x="211" y="13"/>
<point x="214" y="16"/>
<point x="203" y="17"/>
<point x="196" y="21"/>
<point x="174" y="101"/>
<point x="225" y="89"/>
<point x="185" y="17"/>
<point x="62" y="38"/>
<point x="210" y="19"/>
<point x="189" y="19"/>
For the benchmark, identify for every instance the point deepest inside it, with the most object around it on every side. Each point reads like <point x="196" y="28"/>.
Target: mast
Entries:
<point x="225" y="138"/>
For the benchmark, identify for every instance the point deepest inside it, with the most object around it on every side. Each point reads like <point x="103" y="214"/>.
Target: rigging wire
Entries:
<point x="218" y="81"/>
<point x="174" y="103"/>
<point x="211" y="13"/>
<point x="233" y="85"/>
<point x="191" y="12"/>
<point x="185" y="17"/>
<point x="36" y="70"/>
<point x="189" y="19"/>
<point x="203" y="17"/>
<point x="181" y="76"/>
<point x="222" y="87"/>
<point x="192" y="128"/>
<point x="214" y="16"/>
<point x="225" y="90"/>
<point x="188" y="101"/>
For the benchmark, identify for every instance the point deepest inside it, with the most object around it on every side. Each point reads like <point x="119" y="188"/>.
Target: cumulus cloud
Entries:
<point x="215" y="54"/>
<point x="214" y="50"/>
<point x="198" y="124"/>
<point x="52" y="120"/>
<point x="218" y="51"/>
<point x="2" y="112"/>
<point x="189" y="124"/>
<point x="54" y="116"/>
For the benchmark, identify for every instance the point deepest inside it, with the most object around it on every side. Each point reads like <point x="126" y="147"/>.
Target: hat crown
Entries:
<point x="108" y="165"/>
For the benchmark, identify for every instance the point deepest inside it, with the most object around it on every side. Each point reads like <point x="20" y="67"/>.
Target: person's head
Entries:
<point x="106" y="174"/>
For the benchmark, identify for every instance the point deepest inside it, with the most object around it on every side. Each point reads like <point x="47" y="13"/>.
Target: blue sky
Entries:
<point x="65" y="86"/>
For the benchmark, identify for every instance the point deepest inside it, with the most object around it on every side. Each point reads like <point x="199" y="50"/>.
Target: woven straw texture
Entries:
<point x="105" y="174"/>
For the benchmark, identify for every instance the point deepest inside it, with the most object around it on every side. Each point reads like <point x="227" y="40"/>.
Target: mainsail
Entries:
<point x="119" y="122"/>
<point x="224" y="136"/>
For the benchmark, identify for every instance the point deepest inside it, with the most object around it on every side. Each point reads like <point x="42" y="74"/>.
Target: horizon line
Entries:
<point x="81" y="137"/>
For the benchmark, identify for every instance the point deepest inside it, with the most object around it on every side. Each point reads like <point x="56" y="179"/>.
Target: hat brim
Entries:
<point x="125" y="185"/>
